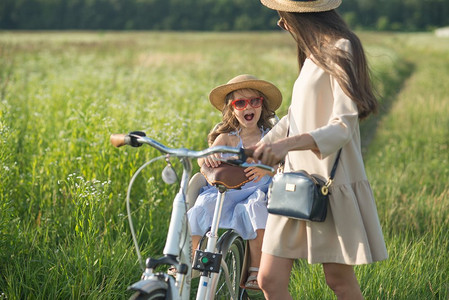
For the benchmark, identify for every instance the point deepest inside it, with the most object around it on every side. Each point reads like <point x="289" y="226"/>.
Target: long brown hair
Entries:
<point x="316" y="34"/>
<point x="230" y="123"/>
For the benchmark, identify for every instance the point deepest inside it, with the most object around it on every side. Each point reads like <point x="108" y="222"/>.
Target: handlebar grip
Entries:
<point x="119" y="139"/>
<point x="248" y="152"/>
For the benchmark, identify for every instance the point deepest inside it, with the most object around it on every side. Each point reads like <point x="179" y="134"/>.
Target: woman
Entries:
<point x="332" y="93"/>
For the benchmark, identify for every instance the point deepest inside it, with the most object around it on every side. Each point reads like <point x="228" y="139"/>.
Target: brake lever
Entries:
<point x="241" y="161"/>
<point x="262" y="166"/>
<point x="133" y="135"/>
<point x="244" y="164"/>
<point x="234" y="162"/>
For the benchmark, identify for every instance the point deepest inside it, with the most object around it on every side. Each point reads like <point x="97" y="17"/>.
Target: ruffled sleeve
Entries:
<point x="341" y="125"/>
<point x="343" y="121"/>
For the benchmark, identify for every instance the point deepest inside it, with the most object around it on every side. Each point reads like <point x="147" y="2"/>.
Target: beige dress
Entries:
<point x="351" y="233"/>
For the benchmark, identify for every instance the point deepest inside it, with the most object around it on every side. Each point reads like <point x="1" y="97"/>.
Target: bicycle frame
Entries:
<point x="178" y="247"/>
<point x="177" y="235"/>
<point x="208" y="290"/>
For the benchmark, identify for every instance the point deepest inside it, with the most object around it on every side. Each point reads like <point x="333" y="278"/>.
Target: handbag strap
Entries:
<point x="334" y="169"/>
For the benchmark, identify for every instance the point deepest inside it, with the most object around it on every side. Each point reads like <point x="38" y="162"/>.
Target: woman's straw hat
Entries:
<point x="273" y="96"/>
<point x="301" y="5"/>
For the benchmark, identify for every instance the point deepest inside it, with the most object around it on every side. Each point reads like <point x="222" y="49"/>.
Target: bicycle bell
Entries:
<point x="168" y="174"/>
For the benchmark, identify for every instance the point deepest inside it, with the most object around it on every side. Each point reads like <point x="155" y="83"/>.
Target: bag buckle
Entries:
<point x="325" y="188"/>
<point x="280" y="169"/>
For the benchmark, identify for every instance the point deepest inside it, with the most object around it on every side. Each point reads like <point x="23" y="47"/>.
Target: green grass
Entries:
<point x="63" y="229"/>
<point x="408" y="164"/>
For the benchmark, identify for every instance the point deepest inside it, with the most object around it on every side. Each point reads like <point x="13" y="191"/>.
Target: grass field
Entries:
<point x="63" y="229"/>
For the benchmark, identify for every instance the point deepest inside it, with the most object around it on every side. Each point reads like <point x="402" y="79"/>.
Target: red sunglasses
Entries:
<point x="241" y="104"/>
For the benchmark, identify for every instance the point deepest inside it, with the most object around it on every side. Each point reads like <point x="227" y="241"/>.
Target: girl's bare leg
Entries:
<point x="274" y="276"/>
<point x="195" y="241"/>
<point x="255" y="250"/>
<point x="342" y="280"/>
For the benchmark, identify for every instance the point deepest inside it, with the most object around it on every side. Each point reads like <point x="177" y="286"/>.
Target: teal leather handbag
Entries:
<point x="300" y="195"/>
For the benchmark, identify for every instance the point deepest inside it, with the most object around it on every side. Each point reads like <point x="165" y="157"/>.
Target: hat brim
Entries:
<point x="273" y="96"/>
<point x="301" y="6"/>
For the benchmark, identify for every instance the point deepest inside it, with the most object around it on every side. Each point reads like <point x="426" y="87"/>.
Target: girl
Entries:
<point x="247" y="105"/>
<point x="332" y="93"/>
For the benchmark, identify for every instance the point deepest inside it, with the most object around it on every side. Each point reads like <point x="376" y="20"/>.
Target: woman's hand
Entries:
<point x="274" y="153"/>
<point x="270" y="154"/>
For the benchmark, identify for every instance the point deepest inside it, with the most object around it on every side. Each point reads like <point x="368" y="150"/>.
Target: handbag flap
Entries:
<point x="297" y="195"/>
<point x="232" y="177"/>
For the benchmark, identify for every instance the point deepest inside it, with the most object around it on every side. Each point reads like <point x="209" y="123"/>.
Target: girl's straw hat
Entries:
<point x="273" y="96"/>
<point x="301" y="5"/>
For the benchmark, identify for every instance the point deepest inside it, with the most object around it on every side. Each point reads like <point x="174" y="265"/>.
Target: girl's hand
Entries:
<point x="256" y="174"/>
<point x="211" y="161"/>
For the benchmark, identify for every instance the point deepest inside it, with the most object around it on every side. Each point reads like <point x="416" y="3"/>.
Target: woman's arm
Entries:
<point x="273" y="153"/>
<point x="341" y="126"/>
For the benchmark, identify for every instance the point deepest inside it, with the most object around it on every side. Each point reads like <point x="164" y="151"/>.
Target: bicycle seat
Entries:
<point x="232" y="177"/>
<point x="198" y="181"/>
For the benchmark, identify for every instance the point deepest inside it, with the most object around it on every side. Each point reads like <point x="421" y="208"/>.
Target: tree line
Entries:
<point x="207" y="15"/>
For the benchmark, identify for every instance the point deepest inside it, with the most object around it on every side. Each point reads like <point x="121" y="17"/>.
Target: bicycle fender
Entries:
<point x="149" y="285"/>
<point x="226" y="240"/>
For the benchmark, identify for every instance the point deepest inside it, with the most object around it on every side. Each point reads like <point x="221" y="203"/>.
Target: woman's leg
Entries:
<point x="342" y="280"/>
<point x="274" y="276"/>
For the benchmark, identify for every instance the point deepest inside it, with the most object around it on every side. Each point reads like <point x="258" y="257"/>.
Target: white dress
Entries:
<point x="244" y="210"/>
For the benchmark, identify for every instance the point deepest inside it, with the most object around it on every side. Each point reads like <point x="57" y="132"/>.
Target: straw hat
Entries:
<point x="273" y="96"/>
<point x="301" y="5"/>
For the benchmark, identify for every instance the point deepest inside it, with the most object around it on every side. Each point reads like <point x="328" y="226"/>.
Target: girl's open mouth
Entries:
<point x="249" y="117"/>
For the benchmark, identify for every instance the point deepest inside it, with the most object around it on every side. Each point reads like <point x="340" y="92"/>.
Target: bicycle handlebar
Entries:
<point x="119" y="139"/>
<point x="137" y="138"/>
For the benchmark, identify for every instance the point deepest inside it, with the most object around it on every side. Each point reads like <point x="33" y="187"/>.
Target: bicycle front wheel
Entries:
<point x="234" y="262"/>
